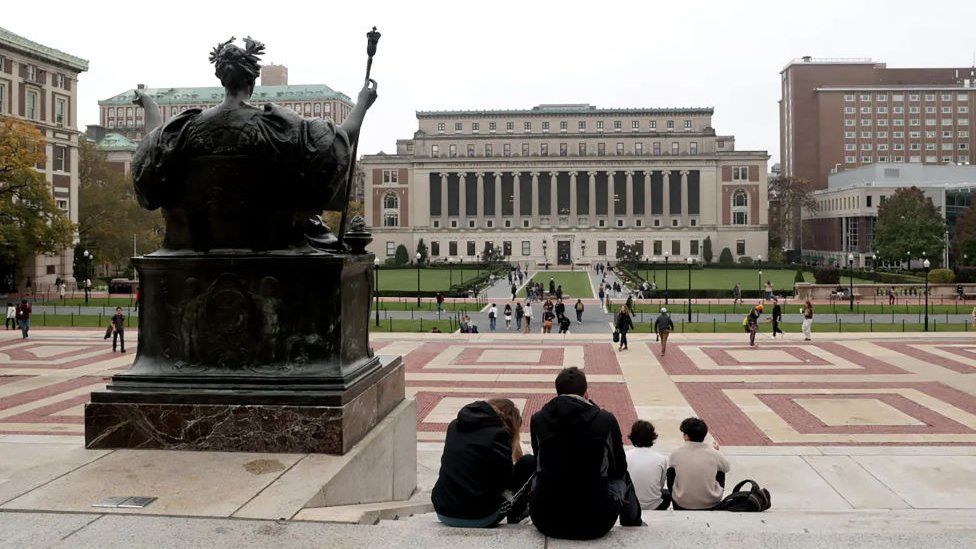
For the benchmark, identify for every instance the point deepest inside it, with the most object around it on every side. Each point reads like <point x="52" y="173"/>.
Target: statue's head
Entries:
<point x="237" y="68"/>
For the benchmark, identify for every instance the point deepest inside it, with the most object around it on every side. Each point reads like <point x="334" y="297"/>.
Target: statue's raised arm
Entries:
<point x="153" y="117"/>
<point x="354" y="121"/>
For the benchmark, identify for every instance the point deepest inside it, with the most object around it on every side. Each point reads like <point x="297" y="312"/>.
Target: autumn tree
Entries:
<point x="109" y="217"/>
<point x="788" y="197"/>
<point x="964" y="239"/>
<point x="908" y="221"/>
<point x="30" y="222"/>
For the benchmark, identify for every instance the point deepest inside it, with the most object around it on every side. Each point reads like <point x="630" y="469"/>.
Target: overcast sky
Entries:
<point x="506" y="54"/>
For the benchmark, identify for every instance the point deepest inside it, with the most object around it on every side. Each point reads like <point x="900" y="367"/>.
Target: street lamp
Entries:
<point x="926" y="265"/>
<point x="850" y="270"/>
<point x="665" y="278"/>
<point x="583" y="249"/>
<point x="759" y="264"/>
<point x="654" y="272"/>
<point x="376" y="282"/>
<point x="418" y="279"/>
<point x="89" y="260"/>
<point x="545" y="255"/>
<point x="691" y="261"/>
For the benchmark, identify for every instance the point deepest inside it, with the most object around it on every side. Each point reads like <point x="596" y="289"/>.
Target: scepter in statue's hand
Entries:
<point x="354" y="122"/>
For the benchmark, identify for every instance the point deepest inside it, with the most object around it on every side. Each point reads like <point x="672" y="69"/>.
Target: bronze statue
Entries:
<point x="237" y="176"/>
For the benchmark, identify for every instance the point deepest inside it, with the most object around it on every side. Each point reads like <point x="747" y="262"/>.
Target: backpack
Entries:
<point x="754" y="500"/>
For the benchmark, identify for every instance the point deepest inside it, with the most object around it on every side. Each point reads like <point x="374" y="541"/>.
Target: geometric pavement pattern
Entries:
<point x="914" y="391"/>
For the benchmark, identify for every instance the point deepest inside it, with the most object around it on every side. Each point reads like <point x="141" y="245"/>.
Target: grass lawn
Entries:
<point x="410" y="304"/>
<point x="407" y="325"/>
<point x="793" y="328"/>
<point x="41" y="320"/>
<point x="792" y="307"/>
<point x="430" y="279"/>
<point x="725" y="279"/>
<point x="575" y="284"/>
<point x="113" y="302"/>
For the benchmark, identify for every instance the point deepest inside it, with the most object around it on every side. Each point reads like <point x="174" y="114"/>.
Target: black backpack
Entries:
<point x="753" y="500"/>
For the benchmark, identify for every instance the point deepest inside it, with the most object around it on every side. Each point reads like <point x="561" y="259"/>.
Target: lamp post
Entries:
<point x="462" y="269"/>
<point x="545" y="254"/>
<point x="450" y="272"/>
<point x="583" y="249"/>
<point x="418" y="279"/>
<point x="850" y="270"/>
<point x="665" y="278"/>
<point x="654" y="272"/>
<point x="759" y="264"/>
<point x="90" y="261"/>
<point x="926" y="265"/>
<point x="376" y="283"/>
<point x="691" y="261"/>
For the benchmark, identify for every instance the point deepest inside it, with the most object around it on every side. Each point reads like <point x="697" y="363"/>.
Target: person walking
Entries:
<point x="807" y="312"/>
<point x="61" y="285"/>
<point x="528" y="316"/>
<point x="560" y="308"/>
<point x="737" y="294"/>
<point x="559" y="292"/>
<point x="118" y="329"/>
<point x="552" y="286"/>
<point x="519" y="313"/>
<point x="11" y="321"/>
<point x="891" y="295"/>
<point x="603" y="295"/>
<point x="579" y="311"/>
<point x="547" y="318"/>
<point x="624" y="325"/>
<point x="514" y="291"/>
<point x="768" y="295"/>
<point x="564" y="324"/>
<point x="508" y="316"/>
<point x="663" y="325"/>
<point x="777" y="317"/>
<point x="752" y="323"/>
<point x="23" y="317"/>
<point x="492" y="317"/>
<point x="440" y="302"/>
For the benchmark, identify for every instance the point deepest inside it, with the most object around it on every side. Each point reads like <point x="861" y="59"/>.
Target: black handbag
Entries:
<point x="616" y="336"/>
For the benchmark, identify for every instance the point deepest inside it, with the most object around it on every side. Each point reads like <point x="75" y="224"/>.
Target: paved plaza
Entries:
<point x="879" y="425"/>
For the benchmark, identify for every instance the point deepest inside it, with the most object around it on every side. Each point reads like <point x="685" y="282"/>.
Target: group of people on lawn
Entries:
<point x="579" y="479"/>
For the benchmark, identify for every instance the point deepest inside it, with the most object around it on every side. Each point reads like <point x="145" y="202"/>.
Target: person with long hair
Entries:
<point x="484" y="476"/>
<point x="624" y="324"/>
<point x="807" y="312"/>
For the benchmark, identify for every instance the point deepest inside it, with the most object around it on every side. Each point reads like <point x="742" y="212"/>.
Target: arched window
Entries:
<point x="391" y="201"/>
<point x="740" y="207"/>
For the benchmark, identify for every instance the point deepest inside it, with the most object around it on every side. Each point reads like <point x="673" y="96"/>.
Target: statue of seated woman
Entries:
<point x="236" y="177"/>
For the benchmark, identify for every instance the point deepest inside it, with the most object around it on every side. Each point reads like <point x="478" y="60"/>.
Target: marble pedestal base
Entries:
<point x="257" y="421"/>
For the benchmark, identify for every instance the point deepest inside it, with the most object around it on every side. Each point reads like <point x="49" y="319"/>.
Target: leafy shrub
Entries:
<point x="799" y="276"/>
<point x="745" y="260"/>
<point x="401" y="257"/>
<point x="707" y="250"/>
<point x="725" y="258"/>
<point x="827" y="275"/>
<point x="941" y="276"/>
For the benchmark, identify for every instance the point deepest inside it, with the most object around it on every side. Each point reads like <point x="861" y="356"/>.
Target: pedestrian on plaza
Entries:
<point x="752" y="323"/>
<point x="624" y="325"/>
<point x="483" y="476"/>
<point x="736" y="294"/>
<point x="508" y="316"/>
<point x="492" y="317"/>
<point x="552" y="286"/>
<point x="23" y="317"/>
<point x="519" y="313"/>
<point x="891" y="295"/>
<point x="579" y="311"/>
<point x="777" y="317"/>
<point x="11" y="321"/>
<point x="564" y="324"/>
<point x="807" y="312"/>
<point x="439" y="298"/>
<point x="61" y="285"/>
<point x="602" y="295"/>
<point x="560" y="308"/>
<point x="514" y="291"/>
<point x="663" y="325"/>
<point x="528" y="316"/>
<point x="118" y="329"/>
<point x="559" y="291"/>
<point x="768" y="295"/>
<point x="509" y="275"/>
<point x="547" y="318"/>
<point x="28" y="285"/>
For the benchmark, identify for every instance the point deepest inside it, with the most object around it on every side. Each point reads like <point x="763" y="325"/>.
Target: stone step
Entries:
<point x="370" y="513"/>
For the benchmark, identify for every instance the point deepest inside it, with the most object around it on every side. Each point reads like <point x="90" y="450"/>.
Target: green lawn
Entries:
<point x="725" y="279"/>
<point x="410" y="304"/>
<point x="792" y="307"/>
<point x="430" y="279"/>
<point x="406" y="325"/>
<point x="41" y="320"/>
<point x="793" y="328"/>
<point x="575" y="284"/>
<point x="92" y="302"/>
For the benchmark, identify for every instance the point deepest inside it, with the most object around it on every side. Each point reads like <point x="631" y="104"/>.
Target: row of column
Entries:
<point x="495" y="178"/>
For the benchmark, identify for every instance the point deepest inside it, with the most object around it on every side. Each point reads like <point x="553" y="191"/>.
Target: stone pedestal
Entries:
<point x="249" y="352"/>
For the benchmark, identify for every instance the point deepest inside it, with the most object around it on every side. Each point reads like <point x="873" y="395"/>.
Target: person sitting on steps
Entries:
<point x="696" y="471"/>
<point x="647" y="468"/>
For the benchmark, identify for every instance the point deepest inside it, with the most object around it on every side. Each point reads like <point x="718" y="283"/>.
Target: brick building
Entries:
<point x="838" y="114"/>
<point x="39" y="84"/>
<point x="567" y="184"/>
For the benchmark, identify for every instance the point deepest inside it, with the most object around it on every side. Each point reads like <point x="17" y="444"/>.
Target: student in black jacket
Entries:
<point x="579" y="453"/>
<point x="482" y="467"/>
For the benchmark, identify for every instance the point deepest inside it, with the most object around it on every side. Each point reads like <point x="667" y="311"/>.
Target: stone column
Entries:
<point x="573" y="216"/>
<point x="462" y="200"/>
<point x="535" y="199"/>
<point x="684" y="198"/>
<point x="611" y="203"/>
<point x="444" y="223"/>
<point x="592" y="201"/>
<point x="630" y="199"/>
<point x="498" y="199"/>
<point x="647" y="199"/>
<point x="553" y="203"/>
<point x="516" y="200"/>
<point x="480" y="199"/>
<point x="666" y="198"/>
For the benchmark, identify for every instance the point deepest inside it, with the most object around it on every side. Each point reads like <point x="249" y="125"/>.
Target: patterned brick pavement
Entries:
<point x="845" y="391"/>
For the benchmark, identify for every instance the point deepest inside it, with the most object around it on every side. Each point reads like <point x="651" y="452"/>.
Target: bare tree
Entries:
<point x="788" y="197"/>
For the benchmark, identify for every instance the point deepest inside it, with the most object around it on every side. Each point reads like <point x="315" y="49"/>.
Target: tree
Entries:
<point x="628" y="253"/>
<point x="964" y="239"/>
<point x="422" y="250"/>
<point x="30" y="221"/>
<point x="332" y="219"/>
<point x="401" y="257"/>
<point x="908" y="221"/>
<point x="110" y="219"/>
<point x="725" y="258"/>
<point x="788" y="197"/>
<point x="707" y="250"/>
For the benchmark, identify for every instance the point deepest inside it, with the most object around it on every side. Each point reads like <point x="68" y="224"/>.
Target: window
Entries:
<point x="3" y="94"/>
<point x="601" y="149"/>
<point x="544" y="149"/>
<point x="929" y="110"/>
<point x="31" y="111"/>
<point x="563" y="149"/>
<point x="849" y="110"/>
<point x="390" y="249"/>
<point x="452" y="151"/>
<point x="898" y="97"/>
<point x="635" y="124"/>
<point x="509" y="126"/>
<point x="675" y="247"/>
<point x="850" y="122"/>
<point x="32" y="73"/>
<point x="620" y="149"/>
<point x="581" y="125"/>
<point x="470" y="150"/>
<point x="694" y="247"/>
<point x="740" y="173"/>
<point x="391" y="220"/>
<point x="881" y="97"/>
<point x="740" y="207"/>
<point x="470" y="248"/>
<point x="60" y="152"/>
<point x="898" y="110"/>
<point x="865" y="97"/>
<point x="601" y="247"/>
<point x="563" y="126"/>
<point x="656" y="148"/>
<point x="670" y="124"/>
<point x="599" y="125"/>
<point x="452" y="248"/>
<point x="475" y="127"/>
<point x="617" y="124"/>
<point x="492" y="126"/>
<point x="458" y="126"/>
<point x="440" y="127"/>
<point x="435" y="248"/>
<point x="865" y="121"/>
<point x="526" y="247"/>
<point x="657" y="247"/>
<point x="740" y="247"/>
<point x="653" y="124"/>
<point x="693" y="147"/>
<point x="865" y="110"/>
<point x="435" y="150"/>
<point x="582" y="149"/>
<point x="507" y="248"/>
<point x="867" y="201"/>
<point x="507" y="149"/>
<point x="60" y="110"/>
<point x="865" y="146"/>
<point x="848" y="97"/>
<point x="850" y="147"/>
<point x="675" y="148"/>
<point x="525" y="149"/>
<point x="687" y="124"/>
<point x="527" y="126"/>
<point x="62" y="205"/>
<point x="545" y="126"/>
<point x="930" y="97"/>
<point x="638" y="148"/>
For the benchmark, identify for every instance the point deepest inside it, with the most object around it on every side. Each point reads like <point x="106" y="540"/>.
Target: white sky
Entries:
<point x="506" y="54"/>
